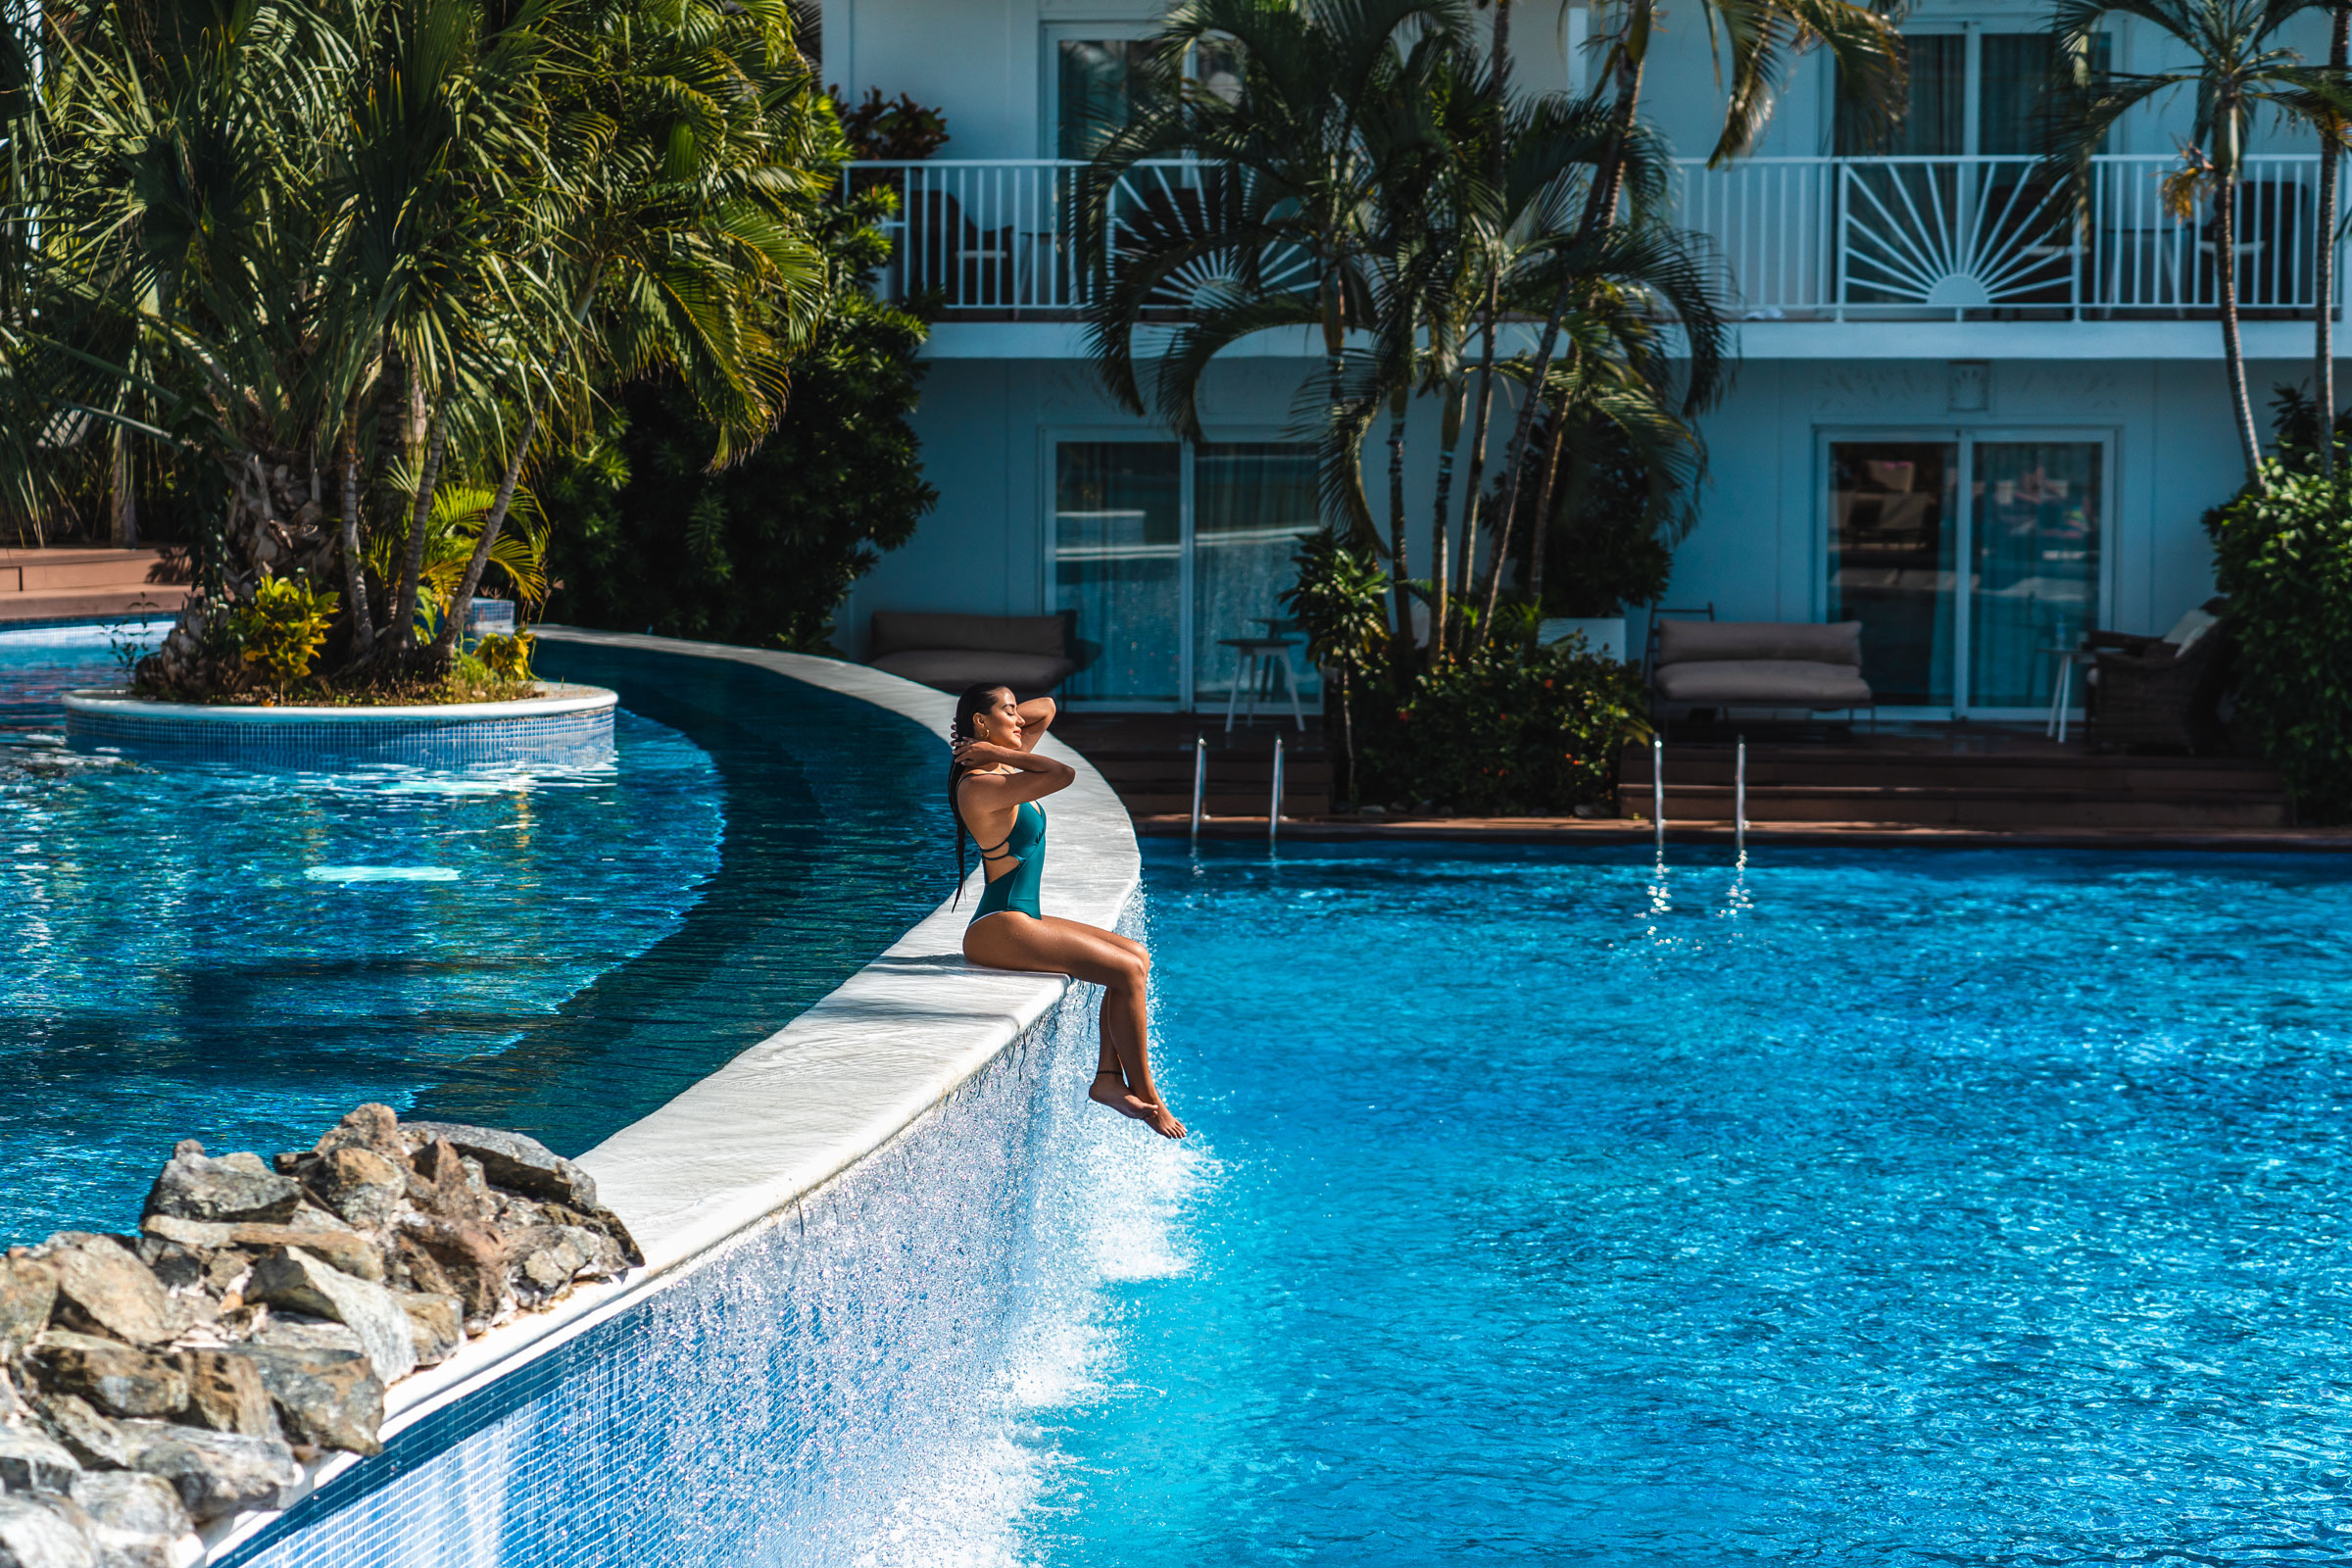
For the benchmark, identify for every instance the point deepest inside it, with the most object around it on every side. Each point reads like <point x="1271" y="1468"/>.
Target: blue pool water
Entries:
<point x="240" y="958"/>
<point x="1865" y="1207"/>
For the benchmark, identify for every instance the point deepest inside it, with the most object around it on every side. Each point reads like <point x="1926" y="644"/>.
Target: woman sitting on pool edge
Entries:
<point x="994" y="785"/>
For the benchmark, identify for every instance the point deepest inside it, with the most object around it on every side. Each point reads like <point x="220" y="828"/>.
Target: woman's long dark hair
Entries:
<point x="973" y="701"/>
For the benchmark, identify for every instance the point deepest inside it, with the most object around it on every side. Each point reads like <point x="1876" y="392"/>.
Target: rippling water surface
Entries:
<point x="242" y="956"/>
<point x="1866" y="1208"/>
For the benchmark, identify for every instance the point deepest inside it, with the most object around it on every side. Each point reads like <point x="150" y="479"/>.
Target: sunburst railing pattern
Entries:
<point x="1800" y="238"/>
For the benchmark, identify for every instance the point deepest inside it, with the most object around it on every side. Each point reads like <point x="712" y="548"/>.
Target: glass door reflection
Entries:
<point x="2033" y="564"/>
<point x="1894" y="560"/>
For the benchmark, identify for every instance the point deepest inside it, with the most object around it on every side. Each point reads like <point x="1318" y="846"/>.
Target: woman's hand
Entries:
<point x="986" y="754"/>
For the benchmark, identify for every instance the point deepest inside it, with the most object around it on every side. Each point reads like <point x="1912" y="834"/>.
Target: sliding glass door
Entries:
<point x="1167" y="551"/>
<point x="1962" y="602"/>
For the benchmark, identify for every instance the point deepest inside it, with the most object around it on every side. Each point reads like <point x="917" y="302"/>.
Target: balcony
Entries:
<point x="1819" y="239"/>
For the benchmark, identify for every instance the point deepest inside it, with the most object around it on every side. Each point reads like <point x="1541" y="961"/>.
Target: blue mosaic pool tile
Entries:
<point x="581" y="738"/>
<point x="787" y="1404"/>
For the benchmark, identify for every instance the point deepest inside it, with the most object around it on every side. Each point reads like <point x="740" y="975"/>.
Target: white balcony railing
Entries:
<point x="1801" y="238"/>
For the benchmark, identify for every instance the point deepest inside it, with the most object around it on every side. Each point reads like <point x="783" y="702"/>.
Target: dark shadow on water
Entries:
<point x="836" y="842"/>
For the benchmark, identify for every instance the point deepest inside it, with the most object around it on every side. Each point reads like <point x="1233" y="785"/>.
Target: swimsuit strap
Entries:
<point x="1003" y="850"/>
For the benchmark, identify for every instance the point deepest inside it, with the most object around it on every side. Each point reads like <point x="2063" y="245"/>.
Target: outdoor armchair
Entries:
<point x="2161" y="692"/>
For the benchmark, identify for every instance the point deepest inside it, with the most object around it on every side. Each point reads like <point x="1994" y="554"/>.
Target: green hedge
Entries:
<point x="2285" y="558"/>
<point x="1503" y="732"/>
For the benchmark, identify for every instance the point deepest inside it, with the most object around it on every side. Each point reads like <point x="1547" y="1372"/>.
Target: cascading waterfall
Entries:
<point x="852" y="1385"/>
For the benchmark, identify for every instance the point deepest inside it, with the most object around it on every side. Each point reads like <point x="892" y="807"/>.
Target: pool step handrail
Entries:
<point x="1740" y="800"/>
<point x="1274" y="807"/>
<point x="1200" y="779"/>
<point x="1657" y="791"/>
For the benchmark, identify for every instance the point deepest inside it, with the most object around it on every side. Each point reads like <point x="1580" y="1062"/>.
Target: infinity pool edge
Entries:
<point x="734" y="1154"/>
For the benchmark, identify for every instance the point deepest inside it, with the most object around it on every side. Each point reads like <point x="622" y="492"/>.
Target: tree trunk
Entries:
<point x="1346" y="739"/>
<point x="123" y="509"/>
<point x="354" y="571"/>
<point x="2331" y="146"/>
<point x="2233" y="354"/>
<point x="445" y="644"/>
<point x="1441" y="523"/>
<point x="1400" y="570"/>
<point x="400" y="613"/>
<point x="1601" y="212"/>
<point x="1475" y="482"/>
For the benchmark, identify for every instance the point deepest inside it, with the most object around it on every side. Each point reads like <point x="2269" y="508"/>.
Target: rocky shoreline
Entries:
<point x="151" y="1384"/>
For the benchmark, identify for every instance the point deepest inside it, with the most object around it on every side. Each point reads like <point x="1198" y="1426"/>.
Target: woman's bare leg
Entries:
<point x="1010" y="939"/>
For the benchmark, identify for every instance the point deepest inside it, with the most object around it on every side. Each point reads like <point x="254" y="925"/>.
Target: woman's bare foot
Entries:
<point x="1109" y="1089"/>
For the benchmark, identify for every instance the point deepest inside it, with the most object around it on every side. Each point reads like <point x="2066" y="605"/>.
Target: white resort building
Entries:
<point x="1959" y="414"/>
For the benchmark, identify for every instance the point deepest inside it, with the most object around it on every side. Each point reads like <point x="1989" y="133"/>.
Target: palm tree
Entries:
<point x="210" y="238"/>
<point x="1334" y="112"/>
<point x="318" y="239"/>
<point x="1757" y="40"/>
<point x="684" y="239"/>
<point x="2234" y="67"/>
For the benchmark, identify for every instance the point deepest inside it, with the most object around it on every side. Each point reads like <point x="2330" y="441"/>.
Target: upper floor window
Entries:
<point x="1099" y="86"/>
<point x="1970" y="94"/>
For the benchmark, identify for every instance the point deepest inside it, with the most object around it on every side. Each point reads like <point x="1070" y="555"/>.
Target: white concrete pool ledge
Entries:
<point x="112" y="702"/>
<point x="736" y="1154"/>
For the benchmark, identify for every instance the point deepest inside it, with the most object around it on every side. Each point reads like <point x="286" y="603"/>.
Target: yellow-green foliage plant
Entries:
<point x="507" y="657"/>
<point x="282" y="627"/>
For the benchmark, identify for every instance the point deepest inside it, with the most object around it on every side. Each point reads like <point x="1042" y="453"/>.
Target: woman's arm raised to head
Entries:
<point x="1036" y="716"/>
<point x="1033" y="777"/>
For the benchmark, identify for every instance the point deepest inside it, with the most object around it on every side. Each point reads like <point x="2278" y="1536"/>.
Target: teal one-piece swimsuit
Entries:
<point x="1025" y="846"/>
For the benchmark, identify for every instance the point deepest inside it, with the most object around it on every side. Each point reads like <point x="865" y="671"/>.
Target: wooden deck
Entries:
<point x="1901" y="784"/>
<point x="66" y="584"/>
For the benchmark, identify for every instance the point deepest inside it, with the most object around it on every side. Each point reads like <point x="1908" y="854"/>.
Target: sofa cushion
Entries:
<point x="895" y="631"/>
<point x="1685" y="641"/>
<point x="1769" y="682"/>
<point x="952" y="670"/>
<point x="2190" y="627"/>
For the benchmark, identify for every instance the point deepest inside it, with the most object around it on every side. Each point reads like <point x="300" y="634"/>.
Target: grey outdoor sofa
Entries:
<point x="947" y="651"/>
<point x="1760" y="664"/>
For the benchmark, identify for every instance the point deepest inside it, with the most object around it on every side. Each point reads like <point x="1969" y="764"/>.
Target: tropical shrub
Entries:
<point x="1338" y="601"/>
<point x="281" y="629"/>
<point x="2284" y="554"/>
<point x="316" y="262"/>
<point x="1505" y="730"/>
<point x="891" y="130"/>
<point x="648" y="537"/>
<point x="507" y="656"/>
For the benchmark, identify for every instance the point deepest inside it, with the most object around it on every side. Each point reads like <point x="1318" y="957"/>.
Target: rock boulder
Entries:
<point x="44" y="1533"/>
<point x="110" y="1288"/>
<point x="326" y="1398"/>
<point x="113" y="1376"/>
<point x="232" y="1189"/>
<point x="293" y="1278"/>
<point x="214" y="1473"/>
<point x="137" y="1520"/>
<point x="510" y="1160"/>
<point x="226" y="1392"/>
<point x="359" y="1185"/>
<point x="27" y="1293"/>
<point x="32" y="1461"/>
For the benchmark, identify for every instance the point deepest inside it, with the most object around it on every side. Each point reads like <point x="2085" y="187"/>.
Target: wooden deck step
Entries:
<point x="66" y="583"/>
